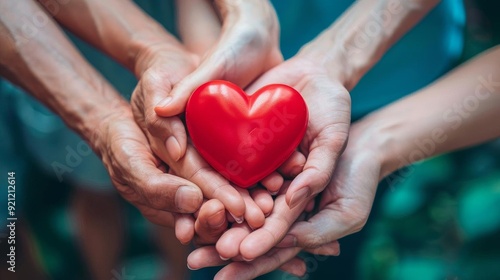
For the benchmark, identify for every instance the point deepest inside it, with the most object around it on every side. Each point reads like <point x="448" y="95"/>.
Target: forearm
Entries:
<point x="460" y="110"/>
<point x="355" y="42"/>
<point x="117" y="27"/>
<point x="48" y="66"/>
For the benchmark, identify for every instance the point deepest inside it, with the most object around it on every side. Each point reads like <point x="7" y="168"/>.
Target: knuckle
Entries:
<point x="314" y="240"/>
<point x="155" y="195"/>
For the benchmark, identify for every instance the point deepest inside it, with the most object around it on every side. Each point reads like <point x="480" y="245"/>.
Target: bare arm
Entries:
<point x="460" y="110"/>
<point x="45" y="63"/>
<point x="50" y="68"/>
<point x="356" y="41"/>
<point x="117" y="27"/>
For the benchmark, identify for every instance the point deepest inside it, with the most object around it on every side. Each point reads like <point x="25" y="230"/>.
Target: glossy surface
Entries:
<point x="243" y="137"/>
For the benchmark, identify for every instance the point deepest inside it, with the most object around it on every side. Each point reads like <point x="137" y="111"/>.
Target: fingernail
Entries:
<point x="274" y="193"/>
<point x="165" y="101"/>
<point x="238" y="220"/>
<point x="222" y="258"/>
<point x="300" y="196"/>
<point x="288" y="242"/>
<point x="217" y="219"/>
<point x="247" y="260"/>
<point x="173" y="148"/>
<point x="190" y="268"/>
<point x="187" y="199"/>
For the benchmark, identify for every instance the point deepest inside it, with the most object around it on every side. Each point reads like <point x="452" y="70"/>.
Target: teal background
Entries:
<point x="440" y="221"/>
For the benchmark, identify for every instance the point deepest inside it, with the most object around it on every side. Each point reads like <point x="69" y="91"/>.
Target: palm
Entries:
<point x="329" y="119"/>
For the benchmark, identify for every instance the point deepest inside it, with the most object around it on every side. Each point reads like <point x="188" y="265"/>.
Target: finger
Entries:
<point x="329" y="249"/>
<point x="262" y="265"/>
<point x="310" y="205"/>
<point x="317" y="171"/>
<point x="325" y="227"/>
<point x="228" y="244"/>
<point x="155" y="189"/>
<point x="169" y="133"/>
<point x="296" y="266"/>
<point x="211" y="222"/>
<point x="293" y="165"/>
<point x="263" y="199"/>
<point x="206" y="256"/>
<point x="184" y="228"/>
<point x="273" y="182"/>
<point x="244" y="51"/>
<point x="212" y="184"/>
<point x="275" y="227"/>
<point x="253" y="214"/>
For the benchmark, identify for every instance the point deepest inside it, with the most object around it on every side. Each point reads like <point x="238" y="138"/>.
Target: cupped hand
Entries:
<point x="164" y="66"/>
<point x="329" y="106"/>
<point x="236" y="41"/>
<point x="344" y="207"/>
<point x="326" y="137"/>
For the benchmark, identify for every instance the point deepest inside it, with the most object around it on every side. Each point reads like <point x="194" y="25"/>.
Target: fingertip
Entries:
<point x="235" y="205"/>
<point x="188" y="199"/>
<point x="173" y="148"/>
<point x="293" y="165"/>
<point x="184" y="228"/>
<point x="173" y="108"/>
<point x="263" y="199"/>
<point x="273" y="182"/>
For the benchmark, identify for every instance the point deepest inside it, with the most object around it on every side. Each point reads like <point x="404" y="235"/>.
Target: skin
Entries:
<point x="133" y="141"/>
<point x="324" y="71"/>
<point x="381" y="144"/>
<point x="49" y="67"/>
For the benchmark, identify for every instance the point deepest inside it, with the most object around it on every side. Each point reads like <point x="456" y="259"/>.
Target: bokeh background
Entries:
<point x="440" y="220"/>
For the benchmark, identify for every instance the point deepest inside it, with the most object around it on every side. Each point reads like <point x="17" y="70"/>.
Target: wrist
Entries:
<point x="94" y="126"/>
<point x="380" y="137"/>
<point x="340" y="62"/>
<point x="145" y="46"/>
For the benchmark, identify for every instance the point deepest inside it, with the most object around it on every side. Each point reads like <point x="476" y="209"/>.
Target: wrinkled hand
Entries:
<point x="167" y="76"/>
<point x="165" y="66"/>
<point x="138" y="175"/>
<point x="245" y="47"/>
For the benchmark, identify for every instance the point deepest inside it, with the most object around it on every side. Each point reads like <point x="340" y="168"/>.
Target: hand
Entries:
<point x="346" y="202"/>
<point x="246" y="47"/>
<point x="138" y="175"/>
<point x="164" y="66"/>
<point x="344" y="208"/>
<point x="329" y="106"/>
<point x="325" y="139"/>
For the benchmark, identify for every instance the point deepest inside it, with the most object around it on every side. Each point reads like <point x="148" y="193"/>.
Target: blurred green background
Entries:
<point x="440" y="221"/>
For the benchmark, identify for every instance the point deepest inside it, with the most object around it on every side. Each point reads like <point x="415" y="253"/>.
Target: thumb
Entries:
<point x="175" y="102"/>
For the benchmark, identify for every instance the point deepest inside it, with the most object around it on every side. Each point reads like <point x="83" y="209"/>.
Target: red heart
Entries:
<point x="245" y="137"/>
